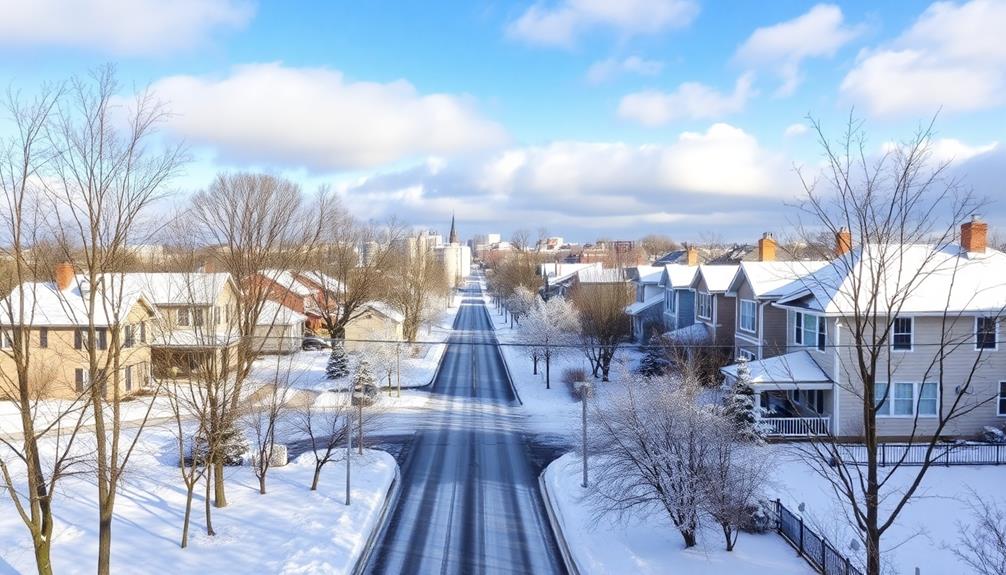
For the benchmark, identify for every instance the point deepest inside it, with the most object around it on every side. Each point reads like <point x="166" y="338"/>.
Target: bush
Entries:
<point x="233" y="447"/>
<point x="993" y="435"/>
<point x="761" y="517"/>
<point x="571" y="375"/>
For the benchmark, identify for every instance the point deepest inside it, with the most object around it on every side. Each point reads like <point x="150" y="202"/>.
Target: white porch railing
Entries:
<point x="795" y="426"/>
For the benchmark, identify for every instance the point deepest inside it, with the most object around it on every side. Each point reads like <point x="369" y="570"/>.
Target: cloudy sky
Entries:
<point x="586" y="117"/>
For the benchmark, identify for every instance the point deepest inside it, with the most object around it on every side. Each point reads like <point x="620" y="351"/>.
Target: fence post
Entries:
<point x="846" y="566"/>
<point x="801" y="535"/>
<point x="883" y="455"/>
<point x="998" y="445"/>
<point x="824" y="554"/>
<point x="778" y="515"/>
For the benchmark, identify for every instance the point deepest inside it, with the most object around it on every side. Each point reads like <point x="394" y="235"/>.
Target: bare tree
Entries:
<point x="253" y="223"/>
<point x="736" y="476"/>
<point x="190" y="403"/>
<point x="981" y="543"/>
<point x="657" y="244"/>
<point x="604" y="325"/>
<point x="894" y="217"/>
<point x="326" y="428"/>
<point x="418" y="278"/>
<point x="103" y="179"/>
<point x="265" y="412"/>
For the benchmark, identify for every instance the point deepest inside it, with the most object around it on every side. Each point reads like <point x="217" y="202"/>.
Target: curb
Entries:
<point x="554" y="521"/>
<point x="506" y="367"/>
<point x="382" y="522"/>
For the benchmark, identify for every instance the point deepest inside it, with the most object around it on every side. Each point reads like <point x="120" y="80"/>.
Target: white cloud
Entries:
<point x="561" y="23"/>
<point x="122" y="27"/>
<point x="314" y="117"/>
<point x="604" y="70"/>
<point x="794" y="130"/>
<point x="951" y="149"/>
<point x="952" y="57"/>
<point x="691" y="100"/>
<point x="784" y="46"/>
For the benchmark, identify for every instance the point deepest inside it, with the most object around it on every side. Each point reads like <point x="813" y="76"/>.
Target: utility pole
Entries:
<point x="584" y="388"/>
<point x="398" y="368"/>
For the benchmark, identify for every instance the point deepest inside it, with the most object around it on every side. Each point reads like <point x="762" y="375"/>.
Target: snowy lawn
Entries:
<point x="48" y="411"/>
<point x="289" y="530"/>
<point x="418" y="362"/>
<point x="925" y="529"/>
<point x="651" y="545"/>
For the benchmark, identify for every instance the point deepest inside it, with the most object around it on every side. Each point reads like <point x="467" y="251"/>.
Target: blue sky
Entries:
<point x="585" y="117"/>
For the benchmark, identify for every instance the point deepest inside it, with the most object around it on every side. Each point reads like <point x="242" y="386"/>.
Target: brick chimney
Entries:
<point x="766" y="248"/>
<point x="974" y="235"/>
<point x="63" y="274"/>
<point x="843" y="241"/>
<point x="692" y="255"/>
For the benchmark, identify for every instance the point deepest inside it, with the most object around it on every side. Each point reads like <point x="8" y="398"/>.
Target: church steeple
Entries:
<point x="452" y="238"/>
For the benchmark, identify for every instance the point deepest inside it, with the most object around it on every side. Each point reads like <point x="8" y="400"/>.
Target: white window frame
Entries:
<point x="746" y="354"/>
<point x="754" y="316"/>
<point x="698" y="305"/>
<point x="888" y="409"/>
<point x="995" y="346"/>
<point x="669" y="301"/>
<point x="895" y="333"/>
<point x="1000" y="398"/>
<point x="800" y="331"/>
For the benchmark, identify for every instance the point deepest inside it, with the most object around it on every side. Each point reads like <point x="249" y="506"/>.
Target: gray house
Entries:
<point x="943" y="346"/>
<point x="679" y="299"/>
<point x="645" y="312"/>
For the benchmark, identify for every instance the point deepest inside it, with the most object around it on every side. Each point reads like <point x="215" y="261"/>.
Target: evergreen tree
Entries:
<point x="740" y="404"/>
<point x="363" y="379"/>
<point x="338" y="362"/>
<point x="655" y="362"/>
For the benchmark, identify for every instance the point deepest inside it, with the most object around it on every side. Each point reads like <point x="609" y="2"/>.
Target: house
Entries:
<point x="760" y="329"/>
<point x="295" y="291"/>
<point x="715" y="310"/>
<point x="376" y="321"/>
<point x="558" y="277"/>
<point x="944" y="336"/>
<point x="54" y="316"/>
<point x="679" y="299"/>
<point x="278" y="330"/>
<point x="645" y="311"/>
<point x="197" y="329"/>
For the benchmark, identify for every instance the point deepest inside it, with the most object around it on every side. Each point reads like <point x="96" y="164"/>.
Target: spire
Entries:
<point x="452" y="238"/>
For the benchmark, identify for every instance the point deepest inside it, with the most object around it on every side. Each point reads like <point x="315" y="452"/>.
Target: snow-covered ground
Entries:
<point x="306" y="369"/>
<point x="925" y="530"/>
<point x="48" y="411"/>
<point x="651" y="545"/>
<point x="289" y="530"/>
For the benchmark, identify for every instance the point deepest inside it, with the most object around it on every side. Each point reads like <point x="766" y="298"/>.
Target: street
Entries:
<point x="469" y="501"/>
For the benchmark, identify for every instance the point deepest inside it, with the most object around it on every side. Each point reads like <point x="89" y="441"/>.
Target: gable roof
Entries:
<point x="782" y="371"/>
<point x="920" y="278"/>
<point x="717" y="277"/>
<point x="385" y="310"/>
<point x="641" y="306"/>
<point x="178" y="288"/>
<point x="646" y="274"/>
<point x="287" y="281"/>
<point x="44" y="305"/>
<point x="678" y="276"/>
<point x="771" y="280"/>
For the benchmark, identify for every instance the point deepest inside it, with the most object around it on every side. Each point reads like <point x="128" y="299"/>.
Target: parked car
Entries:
<point x="313" y="343"/>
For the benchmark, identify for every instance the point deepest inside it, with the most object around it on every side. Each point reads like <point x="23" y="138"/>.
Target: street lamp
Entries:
<point x="585" y="389"/>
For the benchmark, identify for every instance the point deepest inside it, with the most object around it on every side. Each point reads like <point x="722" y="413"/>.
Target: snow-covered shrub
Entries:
<point x="279" y="457"/>
<point x="761" y="517"/>
<point x="232" y="449"/>
<point x="740" y="405"/>
<point x="364" y="381"/>
<point x="338" y="362"/>
<point x="991" y="434"/>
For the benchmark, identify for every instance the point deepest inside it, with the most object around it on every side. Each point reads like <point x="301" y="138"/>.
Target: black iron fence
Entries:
<point x="811" y="546"/>
<point x="942" y="454"/>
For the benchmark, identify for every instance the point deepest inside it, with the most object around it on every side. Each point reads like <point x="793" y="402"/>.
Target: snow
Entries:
<point x="649" y="274"/>
<point x="678" y="276"/>
<point x="650" y="544"/>
<point x="47" y="411"/>
<point x="717" y="277"/>
<point x="788" y="369"/>
<point x="287" y="281"/>
<point x="773" y="279"/>
<point x="43" y="304"/>
<point x="289" y="530"/>
<point x="924" y="530"/>
<point x="695" y="334"/>
<point x="640" y="306"/>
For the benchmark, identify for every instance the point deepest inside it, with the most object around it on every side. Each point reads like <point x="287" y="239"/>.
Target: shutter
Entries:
<point x="128" y="377"/>
<point x="102" y="338"/>
<point x="79" y="380"/>
<point x="43" y="337"/>
<point x="143" y="332"/>
<point x="78" y="342"/>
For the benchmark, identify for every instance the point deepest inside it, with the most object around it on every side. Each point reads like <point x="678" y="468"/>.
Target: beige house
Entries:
<point x="377" y="322"/>
<point x="55" y="317"/>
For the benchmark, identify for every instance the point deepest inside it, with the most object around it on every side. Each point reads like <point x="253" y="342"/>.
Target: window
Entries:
<point x="749" y="309"/>
<point x="216" y="315"/>
<point x="1002" y="398"/>
<point x="129" y="339"/>
<point x="102" y="334"/>
<point x="127" y="378"/>
<point x="143" y="332"/>
<point x="746" y="354"/>
<point x="43" y="337"/>
<point x="902" y="338"/>
<point x="986" y="332"/>
<point x="81" y="377"/>
<point x="705" y="306"/>
<point x="669" y="301"/>
<point x="183" y="316"/>
<point x="5" y="340"/>
<point x="810" y="331"/>
<point x="904" y="398"/>
<point x="80" y="338"/>
<point x="197" y="317"/>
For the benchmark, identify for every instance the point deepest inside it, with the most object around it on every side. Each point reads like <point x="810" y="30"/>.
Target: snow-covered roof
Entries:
<point x="919" y="278"/>
<point x="180" y="288"/>
<point x="321" y="280"/>
<point x="678" y="276"/>
<point x="640" y="306"/>
<point x="560" y="272"/>
<point x="648" y="274"/>
<point x="695" y="334"/>
<point x="191" y="338"/>
<point x="44" y="305"/>
<point x="273" y="313"/>
<point x="717" y="277"/>
<point x="287" y="281"/>
<point x="601" y="275"/>
<point x="385" y="310"/>
<point x="789" y="369"/>
<point x="769" y="280"/>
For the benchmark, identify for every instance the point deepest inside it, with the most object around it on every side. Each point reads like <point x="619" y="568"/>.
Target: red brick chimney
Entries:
<point x="63" y="274"/>
<point x="843" y="241"/>
<point x="974" y="235"/>
<point x="766" y="248"/>
<point x="692" y="255"/>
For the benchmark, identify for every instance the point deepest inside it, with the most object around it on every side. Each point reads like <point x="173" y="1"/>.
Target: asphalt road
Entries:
<point x="469" y="501"/>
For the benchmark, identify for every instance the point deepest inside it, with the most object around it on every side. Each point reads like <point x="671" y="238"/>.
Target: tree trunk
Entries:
<point x="261" y="483"/>
<point x="209" y="508"/>
<point x="317" y="476"/>
<point x="190" y="490"/>
<point x="43" y="546"/>
<point x="219" y="493"/>
<point x="728" y="535"/>
<point x="104" y="539"/>
<point x="548" y="371"/>
<point x="689" y="536"/>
